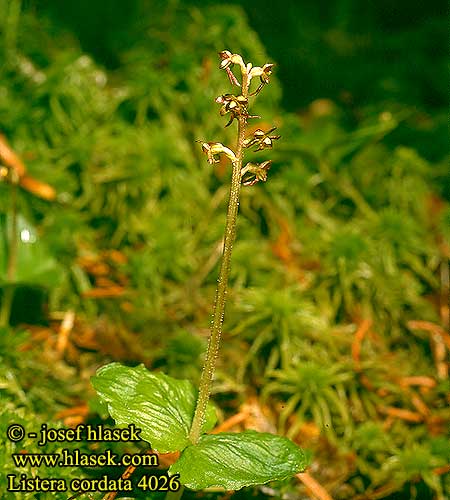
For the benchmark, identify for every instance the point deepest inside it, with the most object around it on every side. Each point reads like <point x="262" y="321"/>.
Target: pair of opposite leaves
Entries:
<point x="163" y="408"/>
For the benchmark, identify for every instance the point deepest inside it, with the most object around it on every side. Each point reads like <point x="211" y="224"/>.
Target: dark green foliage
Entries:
<point x="235" y="460"/>
<point x="163" y="407"/>
<point x="160" y="405"/>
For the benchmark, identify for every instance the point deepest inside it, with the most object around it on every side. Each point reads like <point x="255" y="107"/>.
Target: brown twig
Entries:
<point x="9" y="157"/>
<point x="420" y="380"/>
<point x="103" y="293"/>
<point x="64" y="332"/>
<point x="381" y="492"/>
<point x="439" y="471"/>
<point x="313" y="487"/>
<point x="418" y="403"/>
<point x="357" y="341"/>
<point x="12" y="161"/>
<point x="408" y="415"/>
<point x="440" y="342"/>
<point x="231" y="422"/>
<point x="128" y="472"/>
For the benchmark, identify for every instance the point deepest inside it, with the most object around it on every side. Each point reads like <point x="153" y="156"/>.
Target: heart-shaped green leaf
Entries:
<point x="161" y="406"/>
<point x="235" y="460"/>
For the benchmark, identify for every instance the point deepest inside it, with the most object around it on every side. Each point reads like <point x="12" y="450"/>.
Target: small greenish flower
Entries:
<point x="264" y="76"/>
<point x="262" y="139"/>
<point x="235" y="105"/>
<point x="255" y="172"/>
<point x="227" y="60"/>
<point x="213" y="149"/>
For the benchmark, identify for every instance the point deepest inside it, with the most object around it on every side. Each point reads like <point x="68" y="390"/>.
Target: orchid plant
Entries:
<point x="172" y="414"/>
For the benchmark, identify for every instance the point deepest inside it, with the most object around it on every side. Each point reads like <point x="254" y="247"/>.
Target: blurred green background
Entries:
<point x="104" y="101"/>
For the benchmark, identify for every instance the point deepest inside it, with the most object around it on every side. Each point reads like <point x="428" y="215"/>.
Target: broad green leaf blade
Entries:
<point x="35" y="265"/>
<point x="161" y="406"/>
<point x="235" y="460"/>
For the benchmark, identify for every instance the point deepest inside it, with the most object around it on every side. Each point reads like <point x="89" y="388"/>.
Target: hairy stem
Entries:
<point x="222" y="282"/>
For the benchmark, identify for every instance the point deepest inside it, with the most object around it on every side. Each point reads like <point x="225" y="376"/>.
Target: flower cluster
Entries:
<point x="228" y="60"/>
<point x="237" y="107"/>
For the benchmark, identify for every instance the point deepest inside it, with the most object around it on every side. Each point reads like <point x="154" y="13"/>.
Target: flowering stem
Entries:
<point x="222" y="282"/>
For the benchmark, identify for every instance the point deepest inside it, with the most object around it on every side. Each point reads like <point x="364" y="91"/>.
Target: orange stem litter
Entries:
<point x="357" y="341"/>
<point x="231" y="422"/>
<point x="408" y="415"/>
<point x="313" y="487"/>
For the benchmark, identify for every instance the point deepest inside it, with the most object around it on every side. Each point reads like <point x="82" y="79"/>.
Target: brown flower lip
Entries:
<point x="267" y="71"/>
<point x="225" y="55"/>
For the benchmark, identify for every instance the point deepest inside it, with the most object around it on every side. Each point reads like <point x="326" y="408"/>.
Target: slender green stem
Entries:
<point x="222" y="282"/>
